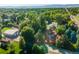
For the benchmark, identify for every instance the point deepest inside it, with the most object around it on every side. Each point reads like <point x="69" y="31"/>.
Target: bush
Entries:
<point x="2" y="51"/>
<point x="40" y="36"/>
<point x="58" y="44"/>
<point x="60" y="29"/>
<point x="70" y="23"/>
<point x="0" y="36"/>
<point x="68" y="45"/>
<point x="14" y="48"/>
<point x="4" y="45"/>
<point x="39" y="49"/>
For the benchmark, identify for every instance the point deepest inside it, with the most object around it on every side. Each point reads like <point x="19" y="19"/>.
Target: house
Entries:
<point x="12" y="33"/>
<point x="53" y="26"/>
<point x="51" y="33"/>
<point x="4" y="20"/>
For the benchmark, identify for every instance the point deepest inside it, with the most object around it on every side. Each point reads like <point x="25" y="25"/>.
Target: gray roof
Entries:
<point x="11" y="32"/>
<point x="4" y="20"/>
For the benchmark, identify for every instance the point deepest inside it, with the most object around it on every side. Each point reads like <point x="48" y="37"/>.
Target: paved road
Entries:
<point x="52" y="51"/>
<point x="73" y="18"/>
<point x="59" y="51"/>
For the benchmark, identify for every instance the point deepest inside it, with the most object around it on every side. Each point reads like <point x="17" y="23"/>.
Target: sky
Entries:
<point x="36" y="2"/>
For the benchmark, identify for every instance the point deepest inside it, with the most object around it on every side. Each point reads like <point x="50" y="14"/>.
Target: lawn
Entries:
<point x="6" y="28"/>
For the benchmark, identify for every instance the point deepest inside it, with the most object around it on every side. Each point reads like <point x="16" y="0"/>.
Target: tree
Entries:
<point x="26" y="22"/>
<point x="14" y="48"/>
<point x="73" y="37"/>
<point x="40" y="37"/>
<point x="67" y="45"/>
<point x="21" y="43"/>
<point x="31" y="15"/>
<point x="60" y="29"/>
<point x="68" y="32"/>
<point x="0" y="34"/>
<point x="20" y="17"/>
<point x="42" y="23"/>
<point x="28" y="35"/>
<point x="22" y="46"/>
<point x="39" y="49"/>
<point x="58" y="43"/>
<point x="35" y="25"/>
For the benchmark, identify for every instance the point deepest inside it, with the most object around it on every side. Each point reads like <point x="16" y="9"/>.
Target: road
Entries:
<point x="54" y="50"/>
<point x="72" y="17"/>
<point x="57" y="51"/>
